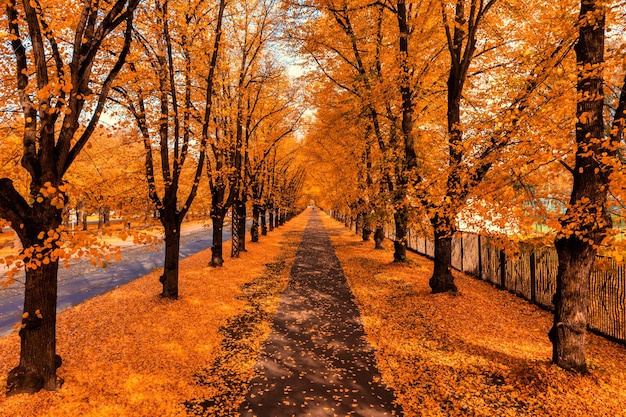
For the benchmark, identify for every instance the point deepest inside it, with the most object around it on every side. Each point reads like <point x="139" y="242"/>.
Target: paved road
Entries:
<point x="82" y="280"/>
<point x="316" y="361"/>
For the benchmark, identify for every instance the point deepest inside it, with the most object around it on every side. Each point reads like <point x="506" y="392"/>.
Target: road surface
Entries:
<point x="82" y="280"/>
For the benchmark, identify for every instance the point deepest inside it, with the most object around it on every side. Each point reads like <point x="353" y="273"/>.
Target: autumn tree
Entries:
<point x="171" y="116"/>
<point x="482" y="129"/>
<point x="272" y="116"/>
<point x="108" y="175"/>
<point x="348" y="43"/>
<point x="64" y="69"/>
<point x="585" y="225"/>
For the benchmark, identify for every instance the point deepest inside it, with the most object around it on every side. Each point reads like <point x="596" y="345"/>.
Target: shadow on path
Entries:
<point x="316" y="361"/>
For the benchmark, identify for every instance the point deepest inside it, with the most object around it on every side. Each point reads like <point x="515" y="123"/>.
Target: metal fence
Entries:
<point x="531" y="274"/>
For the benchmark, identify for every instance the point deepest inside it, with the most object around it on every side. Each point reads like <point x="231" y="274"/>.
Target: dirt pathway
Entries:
<point x="316" y="361"/>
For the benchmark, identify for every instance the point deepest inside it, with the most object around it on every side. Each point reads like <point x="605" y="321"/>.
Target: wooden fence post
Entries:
<point x="480" y="258"/>
<point x="533" y="278"/>
<point x="502" y="269"/>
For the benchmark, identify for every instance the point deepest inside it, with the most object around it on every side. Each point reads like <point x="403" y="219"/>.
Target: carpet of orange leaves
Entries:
<point x="482" y="352"/>
<point x="131" y="353"/>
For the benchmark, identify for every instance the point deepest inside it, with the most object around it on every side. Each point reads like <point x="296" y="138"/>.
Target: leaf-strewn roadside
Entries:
<point x="483" y="352"/>
<point x="131" y="353"/>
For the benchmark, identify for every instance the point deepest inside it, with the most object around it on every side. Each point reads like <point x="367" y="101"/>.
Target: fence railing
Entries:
<point x="532" y="275"/>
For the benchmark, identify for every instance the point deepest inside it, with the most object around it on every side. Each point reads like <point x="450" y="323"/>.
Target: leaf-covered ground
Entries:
<point x="131" y="353"/>
<point x="482" y="352"/>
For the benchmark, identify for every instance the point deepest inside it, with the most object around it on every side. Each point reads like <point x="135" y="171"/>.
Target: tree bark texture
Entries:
<point x="217" y="256"/>
<point x="442" y="279"/>
<point x="240" y="208"/>
<point x="38" y="358"/>
<point x="169" y="279"/>
<point x="401" y="217"/>
<point x="254" y="230"/>
<point x="263" y="222"/>
<point x="379" y="238"/>
<point x="271" y="220"/>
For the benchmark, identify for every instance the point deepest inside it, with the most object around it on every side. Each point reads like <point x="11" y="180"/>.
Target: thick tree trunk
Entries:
<point x="38" y="358"/>
<point x="254" y="230"/>
<point x="217" y="256"/>
<point x="367" y="228"/>
<point x="360" y="223"/>
<point x="586" y="221"/>
<point x="571" y="302"/>
<point x="442" y="279"/>
<point x="401" y="217"/>
<point x="379" y="238"/>
<point x="263" y="222"/>
<point x="169" y="279"/>
<point x="367" y="234"/>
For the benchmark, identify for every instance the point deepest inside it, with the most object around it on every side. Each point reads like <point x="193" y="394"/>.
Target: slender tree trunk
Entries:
<point x="442" y="279"/>
<point x="84" y="220"/>
<point x="379" y="238"/>
<point x="169" y="279"/>
<point x="240" y="208"/>
<point x="38" y="358"/>
<point x="401" y="217"/>
<point x="254" y="230"/>
<point x="217" y="256"/>
<point x="263" y="222"/>
<point x="100" y="218"/>
<point x="271" y="220"/>
<point x="106" y="216"/>
<point x="276" y="217"/>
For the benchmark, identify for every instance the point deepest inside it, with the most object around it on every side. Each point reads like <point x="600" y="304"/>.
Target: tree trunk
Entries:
<point x="367" y="228"/>
<point x="442" y="279"/>
<point x="263" y="222"/>
<point x="360" y="223"/>
<point x="367" y="234"/>
<point x="241" y="213"/>
<point x="571" y="302"/>
<point x="401" y="217"/>
<point x="217" y="257"/>
<point x="276" y="218"/>
<point x="271" y="220"/>
<point x="38" y="358"/>
<point x="169" y="279"/>
<point x="106" y="216"/>
<point x="254" y="230"/>
<point x="586" y="221"/>
<point x="379" y="238"/>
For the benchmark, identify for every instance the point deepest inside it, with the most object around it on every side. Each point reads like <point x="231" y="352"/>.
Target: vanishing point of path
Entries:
<point x="316" y="361"/>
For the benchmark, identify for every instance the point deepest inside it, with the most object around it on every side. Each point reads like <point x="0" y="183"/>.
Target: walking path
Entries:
<point x="316" y="361"/>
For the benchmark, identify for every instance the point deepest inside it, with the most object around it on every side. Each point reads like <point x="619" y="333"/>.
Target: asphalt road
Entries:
<point x="82" y="280"/>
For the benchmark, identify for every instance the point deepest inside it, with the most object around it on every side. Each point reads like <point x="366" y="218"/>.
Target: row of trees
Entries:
<point x="193" y="89"/>
<point x="474" y="113"/>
